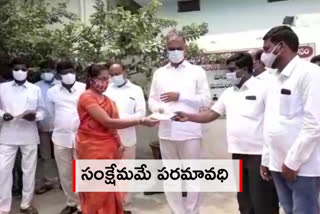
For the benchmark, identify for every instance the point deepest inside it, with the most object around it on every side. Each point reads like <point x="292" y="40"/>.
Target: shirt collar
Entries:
<point x="128" y="84"/>
<point x="25" y="85"/>
<point x="73" y="89"/>
<point x="184" y="64"/>
<point x="287" y="71"/>
<point x="247" y="85"/>
<point x="50" y="84"/>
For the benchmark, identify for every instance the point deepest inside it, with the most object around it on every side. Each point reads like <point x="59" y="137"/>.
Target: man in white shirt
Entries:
<point x="21" y="107"/>
<point x="244" y="105"/>
<point x="179" y="86"/>
<point x="64" y="98"/>
<point x="47" y="163"/>
<point x="292" y="129"/>
<point x="131" y="104"/>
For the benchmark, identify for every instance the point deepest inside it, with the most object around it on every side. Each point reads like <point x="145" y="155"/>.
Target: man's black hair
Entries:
<point x="315" y="59"/>
<point x="242" y="60"/>
<point x="65" y="64"/>
<point x="283" y="34"/>
<point x="19" y="61"/>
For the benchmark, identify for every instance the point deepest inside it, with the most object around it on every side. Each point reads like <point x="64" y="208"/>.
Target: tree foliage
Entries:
<point x="39" y="30"/>
<point x="27" y="28"/>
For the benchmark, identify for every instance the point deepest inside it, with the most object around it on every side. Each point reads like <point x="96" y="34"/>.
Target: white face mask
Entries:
<point x="47" y="76"/>
<point x="269" y="58"/>
<point x="118" y="80"/>
<point x="20" y="75"/>
<point x="176" y="56"/>
<point x="68" y="79"/>
<point x="233" y="79"/>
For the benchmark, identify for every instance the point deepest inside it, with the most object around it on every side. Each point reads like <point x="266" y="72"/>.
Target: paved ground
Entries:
<point x="220" y="203"/>
<point x="213" y="203"/>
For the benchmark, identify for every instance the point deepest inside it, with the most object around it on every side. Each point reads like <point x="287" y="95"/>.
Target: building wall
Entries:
<point x="224" y="16"/>
<point x="83" y="8"/>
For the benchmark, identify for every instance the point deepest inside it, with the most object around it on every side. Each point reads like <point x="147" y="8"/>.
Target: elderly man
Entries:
<point x="179" y="86"/>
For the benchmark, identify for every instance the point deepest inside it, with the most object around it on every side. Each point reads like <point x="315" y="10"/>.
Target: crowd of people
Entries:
<point x="272" y="122"/>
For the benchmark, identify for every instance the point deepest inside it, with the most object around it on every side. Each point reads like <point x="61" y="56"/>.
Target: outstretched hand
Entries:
<point x="150" y="122"/>
<point x="181" y="117"/>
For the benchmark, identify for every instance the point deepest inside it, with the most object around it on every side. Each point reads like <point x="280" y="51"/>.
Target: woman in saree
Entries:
<point x="97" y="136"/>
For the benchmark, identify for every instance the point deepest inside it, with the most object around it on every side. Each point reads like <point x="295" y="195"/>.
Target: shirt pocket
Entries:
<point x="32" y="102"/>
<point x="289" y="104"/>
<point x="252" y="106"/>
<point x="131" y="105"/>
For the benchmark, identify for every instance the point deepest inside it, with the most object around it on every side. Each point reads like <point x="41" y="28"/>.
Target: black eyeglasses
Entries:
<point x="18" y="69"/>
<point x="175" y="49"/>
<point x="67" y="71"/>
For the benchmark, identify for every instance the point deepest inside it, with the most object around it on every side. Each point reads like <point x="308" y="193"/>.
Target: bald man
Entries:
<point x="179" y="86"/>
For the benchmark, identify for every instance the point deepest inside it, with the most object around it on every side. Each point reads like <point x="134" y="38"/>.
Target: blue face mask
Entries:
<point x="47" y="76"/>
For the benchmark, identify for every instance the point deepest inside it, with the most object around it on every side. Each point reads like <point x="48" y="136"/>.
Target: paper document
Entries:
<point x="20" y="116"/>
<point x="164" y="116"/>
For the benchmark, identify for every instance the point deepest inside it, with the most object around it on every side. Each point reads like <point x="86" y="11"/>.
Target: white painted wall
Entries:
<point x="224" y="16"/>
<point x="83" y="8"/>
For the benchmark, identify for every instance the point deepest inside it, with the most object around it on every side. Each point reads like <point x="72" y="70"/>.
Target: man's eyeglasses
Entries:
<point x="18" y="69"/>
<point x="175" y="49"/>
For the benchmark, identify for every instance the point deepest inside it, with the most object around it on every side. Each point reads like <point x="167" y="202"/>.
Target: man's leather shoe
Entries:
<point x="29" y="210"/>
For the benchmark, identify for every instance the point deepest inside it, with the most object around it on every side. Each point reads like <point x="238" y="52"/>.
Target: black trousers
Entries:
<point x="258" y="196"/>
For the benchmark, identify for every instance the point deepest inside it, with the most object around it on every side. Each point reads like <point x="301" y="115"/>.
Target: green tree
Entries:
<point x="137" y="38"/>
<point x="38" y="30"/>
<point x="30" y="27"/>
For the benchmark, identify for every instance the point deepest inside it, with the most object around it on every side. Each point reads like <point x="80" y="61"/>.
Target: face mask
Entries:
<point x="68" y="79"/>
<point x="176" y="56"/>
<point x="233" y="79"/>
<point x="269" y="58"/>
<point x="47" y="76"/>
<point x="20" y="75"/>
<point x="100" y="85"/>
<point x="118" y="80"/>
